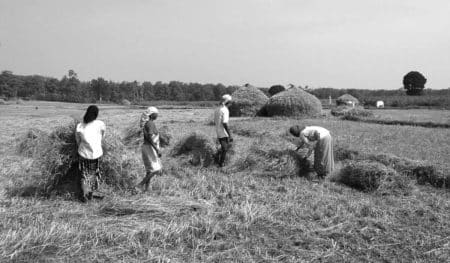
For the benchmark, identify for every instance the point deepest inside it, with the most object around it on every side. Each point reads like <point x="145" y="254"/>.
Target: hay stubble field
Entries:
<point x="194" y="214"/>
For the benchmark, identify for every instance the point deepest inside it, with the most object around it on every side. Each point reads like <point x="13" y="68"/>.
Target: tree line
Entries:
<point x="70" y="89"/>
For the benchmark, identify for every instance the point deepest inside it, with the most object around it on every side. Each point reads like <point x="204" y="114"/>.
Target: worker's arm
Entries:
<point x="77" y="138"/>
<point x="225" y="126"/>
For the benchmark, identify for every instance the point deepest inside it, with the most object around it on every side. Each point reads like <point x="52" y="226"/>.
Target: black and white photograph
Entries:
<point x="172" y="131"/>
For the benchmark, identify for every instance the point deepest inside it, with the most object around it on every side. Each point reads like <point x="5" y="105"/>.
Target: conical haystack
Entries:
<point x="247" y="101"/>
<point x="293" y="102"/>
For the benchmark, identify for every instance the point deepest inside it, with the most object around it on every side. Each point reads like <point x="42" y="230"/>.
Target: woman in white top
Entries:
<point x="89" y="136"/>
<point x="151" y="150"/>
<point x="323" y="150"/>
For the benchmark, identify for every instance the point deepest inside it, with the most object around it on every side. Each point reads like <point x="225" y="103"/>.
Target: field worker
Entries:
<point x="89" y="136"/>
<point x="323" y="151"/>
<point x="221" y="117"/>
<point x="151" y="150"/>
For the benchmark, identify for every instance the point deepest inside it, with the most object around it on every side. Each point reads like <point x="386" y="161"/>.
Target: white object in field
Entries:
<point x="380" y="104"/>
<point x="329" y="99"/>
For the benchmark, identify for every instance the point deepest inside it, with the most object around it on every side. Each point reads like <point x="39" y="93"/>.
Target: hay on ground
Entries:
<point x="349" y="112"/>
<point x="369" y="176"/>
<point x="57" y="161"/>
<point x="247" y="101"/>
<point x="264" y="159"/>
<point x="293" y="102"/>
<point x="421" y="171"/>
<point x="199" y="147"/>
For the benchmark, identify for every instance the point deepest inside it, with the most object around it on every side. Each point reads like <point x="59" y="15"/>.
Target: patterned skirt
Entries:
<point x="90" y="174"/>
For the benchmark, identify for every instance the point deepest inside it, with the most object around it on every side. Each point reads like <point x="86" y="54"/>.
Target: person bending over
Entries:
<point x="323" y="150"/>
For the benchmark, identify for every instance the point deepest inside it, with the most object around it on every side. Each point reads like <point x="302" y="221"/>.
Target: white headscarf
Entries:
<point x="146" y="115"/>
<point x="226" y="98"/>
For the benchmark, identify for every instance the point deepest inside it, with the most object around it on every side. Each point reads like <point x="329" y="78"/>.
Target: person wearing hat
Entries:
<point x="221" y="118"/>
<point x="151" y="151"/>
<point x="323" y="150"/>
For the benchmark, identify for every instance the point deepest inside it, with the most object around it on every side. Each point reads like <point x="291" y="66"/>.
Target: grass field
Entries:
<point x="228" y="215"/>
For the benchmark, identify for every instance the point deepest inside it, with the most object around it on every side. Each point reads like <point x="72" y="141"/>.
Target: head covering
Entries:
<point x="296" y="130"/>
<point x="146" y="115"/>
<point x="226" y="98"/>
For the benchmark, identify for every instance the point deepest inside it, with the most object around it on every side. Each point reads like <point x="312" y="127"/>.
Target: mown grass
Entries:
<point x="224" y="215"/>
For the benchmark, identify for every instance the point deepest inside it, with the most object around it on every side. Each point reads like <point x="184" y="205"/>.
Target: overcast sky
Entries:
<point x="368" y="44"/>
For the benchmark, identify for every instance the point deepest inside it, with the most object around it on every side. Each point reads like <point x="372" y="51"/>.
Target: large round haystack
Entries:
<point x="19" y="101"/>
<point x="247" y="101"/>
<point x="198" y="146"/>
<point x="293" y="102"/>
<point x="347" y="99"/>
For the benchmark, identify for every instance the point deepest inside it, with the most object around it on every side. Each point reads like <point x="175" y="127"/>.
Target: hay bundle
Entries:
<point x="57" y="162"/>
<point x="198" y="146"/>
<point x="346" y="99"/>
<point x="134" y="136"/>
<point x="28" y="144"/>
<point x="19" y="101"/>
<point x="370" y="176"/>
<point x="264" y="158"/>
<point x="293" y="102"/>
<point x="247" y="101"/>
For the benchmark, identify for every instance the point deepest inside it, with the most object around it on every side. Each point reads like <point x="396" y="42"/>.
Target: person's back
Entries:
<point x="310" y="130"/>
<point x="90" y="136"/>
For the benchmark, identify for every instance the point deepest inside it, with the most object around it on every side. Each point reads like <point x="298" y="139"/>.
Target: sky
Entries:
<point x="343" y="44"/>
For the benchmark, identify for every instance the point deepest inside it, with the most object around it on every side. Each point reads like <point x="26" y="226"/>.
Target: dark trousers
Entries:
<point x="224" y="146"/>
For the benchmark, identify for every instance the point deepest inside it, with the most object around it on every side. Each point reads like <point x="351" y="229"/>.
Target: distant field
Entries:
<point x="214" y="215"/>
<point x="423" y="115"/>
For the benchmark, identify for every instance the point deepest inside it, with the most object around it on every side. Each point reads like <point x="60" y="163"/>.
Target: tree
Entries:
<point x="276" y="89"/>
<point x="414" y="83"/>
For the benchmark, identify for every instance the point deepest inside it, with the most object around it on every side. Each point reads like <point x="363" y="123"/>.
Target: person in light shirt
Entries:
<point x="221" y="118"/>
<point x="89" y="136"/>
<point x="323" y="150"/>
<point x="151" y="150"/>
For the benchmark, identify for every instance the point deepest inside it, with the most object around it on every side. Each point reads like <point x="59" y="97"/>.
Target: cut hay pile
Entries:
<point x="56" y="162"/>
<point x="264" y="158"/>
<point x="422" y="171"/>
<point x="247" y="101"/>
<point x="293" y="102"/>
<point x="371" y="176"/>
<point x="19" y="101"/>
<point x="348" y="112"/>
<point x="198" y="147"/>
<point x="134" y="136"/>
<point x="346" y="99"/>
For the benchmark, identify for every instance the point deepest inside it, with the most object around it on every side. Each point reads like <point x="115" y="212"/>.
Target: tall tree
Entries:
<point x="414" y="83"/>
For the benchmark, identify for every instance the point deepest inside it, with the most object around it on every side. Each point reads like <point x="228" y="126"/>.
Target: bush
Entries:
<point x="370" y="176"/>
<point x="56" y="161"/>
<point x="247" y="101"/>
<point x="276" y="89"/>
<point x="199" y="147"/>
<point x="293" y="102"/>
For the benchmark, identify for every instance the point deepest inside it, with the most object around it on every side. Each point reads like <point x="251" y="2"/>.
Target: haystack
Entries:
<point x="198" y="147"/>
<point x="247" y="101"/>
<point x="134" y="136"/>
<point x="55" y="158"/>
<point x="125" y="102"/>
<point x="19" y="101"/>
<point x="370" y="176"/>
<point x="293" y="102"/>
<point x="347" y="99"/>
